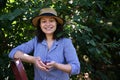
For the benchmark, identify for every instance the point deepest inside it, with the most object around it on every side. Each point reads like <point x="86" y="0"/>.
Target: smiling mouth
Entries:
<point x="49" y="28"/>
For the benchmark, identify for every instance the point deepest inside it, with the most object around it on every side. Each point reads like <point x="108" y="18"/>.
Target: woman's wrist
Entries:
<point x="55" y="64"/>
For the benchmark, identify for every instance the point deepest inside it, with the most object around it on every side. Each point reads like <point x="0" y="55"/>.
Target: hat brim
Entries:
<point x="36" y="19"/>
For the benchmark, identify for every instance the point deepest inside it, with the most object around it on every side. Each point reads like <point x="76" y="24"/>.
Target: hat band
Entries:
<point x="47" y="14"/>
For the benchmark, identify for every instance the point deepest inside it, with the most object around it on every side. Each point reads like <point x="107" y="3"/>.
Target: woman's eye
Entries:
<point x="52" y="20"/>
<point x="43" y="21"/>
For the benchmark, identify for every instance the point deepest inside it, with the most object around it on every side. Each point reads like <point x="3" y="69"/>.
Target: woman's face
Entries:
<point x="48" y="24"/>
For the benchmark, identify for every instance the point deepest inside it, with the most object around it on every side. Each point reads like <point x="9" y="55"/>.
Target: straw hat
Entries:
<point x="47" y="12"/>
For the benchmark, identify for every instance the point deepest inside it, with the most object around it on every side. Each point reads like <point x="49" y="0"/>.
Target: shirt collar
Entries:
<point x="44" y="42"/>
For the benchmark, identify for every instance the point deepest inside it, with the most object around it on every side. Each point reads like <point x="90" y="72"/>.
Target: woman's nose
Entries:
<point x="48" y="23"/>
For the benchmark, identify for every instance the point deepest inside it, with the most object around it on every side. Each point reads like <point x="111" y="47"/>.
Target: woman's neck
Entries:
<point x="49" y="37"/>
<point x="50" y="41"/>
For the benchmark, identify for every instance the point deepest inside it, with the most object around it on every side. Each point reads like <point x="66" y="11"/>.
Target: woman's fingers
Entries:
<point x="50" y="64"/>
<point x="40" y="64"/>
<point x="44" y="65"/>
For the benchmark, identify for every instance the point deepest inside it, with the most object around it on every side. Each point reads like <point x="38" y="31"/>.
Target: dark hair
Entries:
<point x="57" y="34"/>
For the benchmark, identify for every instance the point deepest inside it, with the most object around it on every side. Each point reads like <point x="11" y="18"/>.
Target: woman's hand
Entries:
<point x="38" y="63"/>
<point x="64" y="67"/>
<point x="50" y="64"/>
<point x="46" y="66"/>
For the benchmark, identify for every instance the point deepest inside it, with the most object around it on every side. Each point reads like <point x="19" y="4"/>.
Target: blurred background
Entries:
<point x="93" y="26"/>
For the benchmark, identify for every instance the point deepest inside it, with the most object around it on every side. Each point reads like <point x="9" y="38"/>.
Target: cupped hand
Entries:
<point x="38" y="63"/>
<point x="51" y="64"/>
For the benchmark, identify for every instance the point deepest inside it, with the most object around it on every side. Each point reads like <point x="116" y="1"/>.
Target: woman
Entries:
<point x="54" y="56"/>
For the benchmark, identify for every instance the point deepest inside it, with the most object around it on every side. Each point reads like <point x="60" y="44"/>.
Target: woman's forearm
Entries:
<point x="64" y="67"/>
<point x="24" y="57"/>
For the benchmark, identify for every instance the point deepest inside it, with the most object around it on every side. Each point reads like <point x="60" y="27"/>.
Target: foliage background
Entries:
<point x="93" y="25"/>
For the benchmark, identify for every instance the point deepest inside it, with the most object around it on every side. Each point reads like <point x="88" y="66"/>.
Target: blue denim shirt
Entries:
<point x="62" y="51"/>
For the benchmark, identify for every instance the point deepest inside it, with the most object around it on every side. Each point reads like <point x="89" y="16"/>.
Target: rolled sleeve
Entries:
<point x="25" y="47"/>
<point x="75" y="69"/>
<point x="71" y="56"/>
<point x="11" y="54"/>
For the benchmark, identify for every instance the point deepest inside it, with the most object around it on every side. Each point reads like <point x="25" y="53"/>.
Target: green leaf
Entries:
<point x="11" y="16"/>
